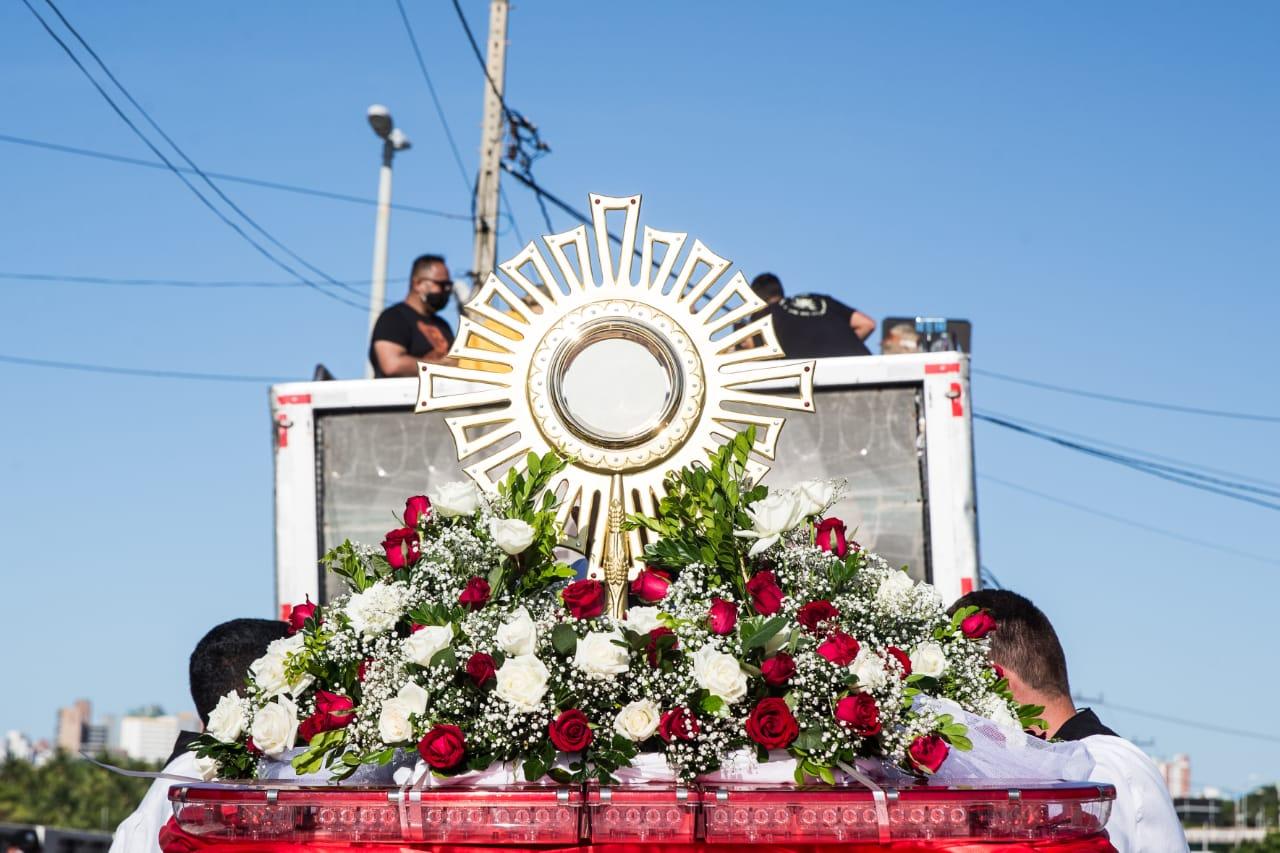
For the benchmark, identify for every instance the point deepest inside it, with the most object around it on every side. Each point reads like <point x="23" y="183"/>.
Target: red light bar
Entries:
<point x="534" y="814"/>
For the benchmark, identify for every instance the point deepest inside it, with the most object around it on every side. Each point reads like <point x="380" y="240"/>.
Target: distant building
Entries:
<point x="148" y="738"/>
<point x="18" y="746"/>
<point x="71" y="724"/>
<point x="1177" y="775"/>
<point x="94" y="740"/>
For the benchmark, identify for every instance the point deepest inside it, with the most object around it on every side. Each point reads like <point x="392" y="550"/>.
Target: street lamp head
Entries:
<point x="380" y="120"/>
<point x="399" y="142"/>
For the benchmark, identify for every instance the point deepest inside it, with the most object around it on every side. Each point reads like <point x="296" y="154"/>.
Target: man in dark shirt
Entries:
<point x="412" y="331"/>
<point x="813" y="325"/>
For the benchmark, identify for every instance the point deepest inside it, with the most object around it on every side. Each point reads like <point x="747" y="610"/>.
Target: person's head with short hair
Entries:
<point x="1027" y="648"/>
<point x="429" y="284"/>
<point x="221" y="659"/>
<point x="768" y="287"/>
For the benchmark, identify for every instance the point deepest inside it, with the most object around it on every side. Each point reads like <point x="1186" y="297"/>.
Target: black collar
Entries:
<point x="181" y="744"/>
<point x="1082" y="725"/>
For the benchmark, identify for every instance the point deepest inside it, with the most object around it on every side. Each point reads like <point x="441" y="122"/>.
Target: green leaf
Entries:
<point x="765" y="633"/>
<point x="564" y="639"/>
<point x="313" y="759"/>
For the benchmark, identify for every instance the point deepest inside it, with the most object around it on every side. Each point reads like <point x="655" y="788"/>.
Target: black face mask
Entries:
<point x="437" y="299"/>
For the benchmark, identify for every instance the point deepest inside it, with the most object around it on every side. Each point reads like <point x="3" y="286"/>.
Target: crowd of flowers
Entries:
<point x="756" y="624"/>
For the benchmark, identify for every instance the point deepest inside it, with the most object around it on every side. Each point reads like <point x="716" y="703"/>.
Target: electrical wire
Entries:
<point x="1134" y="451"/>
<point x="988" y="578"/>
<point x="190" y="163"/>
<point x="204" y="200"/>
<point x="1119" y="519"/>
<point x="444" y="122"/>
<point x="1180" y="721"/>
<point x="1128" y="401"/>
<point x="156" y="282"/>
<point x="484" y="66"/>
<point x="1182" y="476"/>
<point x="223" y="176"/>
<point x="137" y="371"/>
<point x="561" y="204"/>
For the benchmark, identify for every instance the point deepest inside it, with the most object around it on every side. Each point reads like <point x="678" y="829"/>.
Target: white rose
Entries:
<point x="518" y="635"/>
<point x="642" y="620"/>
<point x="815" y="496"/>
<point x="599" y="656"/>
<point x="393" y="721"/>
<point x="719" y="673"/>
<point x="511" y="534"/>
<point x="454" y="499"/>
<point x="997" y="710"/>
<point x="206" y="768"/>
<point x="638" y="720"/>
<point x="269" y="671"/>
<point x="275" y="727"/>
<point x="422" y="645"/>
<point x="226" y="720"/>
<point x="869" y="667"/>
<point x="770" y="518"/>
<point x="522" y="682"/>
<point x="928" y="659"/>
<point x="414" y="697"/>
<point x="895" y="585"/>
<point x="377" y="609"/>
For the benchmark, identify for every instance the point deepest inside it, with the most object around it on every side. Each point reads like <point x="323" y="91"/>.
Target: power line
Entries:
<point x="157" y="282"/>
<point x="1191" y="540"/>
<point x="223" y="176"/>
<point x="137" y="371"/>
<point x="561" y="204"/>
<point x="444" y="122"/>
<point x="484" y="66"/>
<point x="147" y="141"/>
<point x="1180" y="721"/>
<point x="191" y="163"/>
<point x="1135" y="451"/>
<point x="1128" y="401"/>
<point x="1225" y="488"/>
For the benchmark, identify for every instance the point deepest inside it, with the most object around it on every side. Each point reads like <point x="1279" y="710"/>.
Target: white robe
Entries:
<point x="1142" y="817"/>
<point x="140" y="831"/>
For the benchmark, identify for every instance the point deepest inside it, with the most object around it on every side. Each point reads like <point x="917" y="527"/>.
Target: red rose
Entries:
<point x="299" y="615"/>
<point x="443" y="747"/>
<point x="332" y="712"/>
<point x="475" y="594"/>
<point x="417" y="508"/>
<point x="815" y="613"/>
<point x="651" y="650"/>
<point x="928" y="752"/>
<point x="480" y="667"/>
<point x="998" y="670"/>
<point x="723" y="616"/>
<point x="978" y="625"/>
<point x="766" y="595"/>
<point x="830" y="536"/>
<point x="772" y="725"/>
<point x="839" y="648"/>
<point x="677" y="724"/>
<point x="570" y="732"/>
<point x="860" y="713"/>
<point x="585" y="599"/>
<point x="402" y="547"/>
<point x="363" y="668"/>
<point x="777" y="670"/>
<point x="651" y="585"/>
<point x="901" y="657"/>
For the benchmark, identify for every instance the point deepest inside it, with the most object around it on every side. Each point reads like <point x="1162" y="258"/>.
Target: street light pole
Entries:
<point x="393" y="140"/>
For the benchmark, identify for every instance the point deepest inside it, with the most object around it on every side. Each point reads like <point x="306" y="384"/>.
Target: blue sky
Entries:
<point x="1094" y="185"/>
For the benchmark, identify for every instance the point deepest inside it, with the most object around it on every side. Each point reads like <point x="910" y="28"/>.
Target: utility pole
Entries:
<point x="486" y="215"/>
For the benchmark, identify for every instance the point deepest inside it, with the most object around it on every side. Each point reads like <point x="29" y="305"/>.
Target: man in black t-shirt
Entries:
<point x="813" y="325"/>
<point x="412" y="331"/>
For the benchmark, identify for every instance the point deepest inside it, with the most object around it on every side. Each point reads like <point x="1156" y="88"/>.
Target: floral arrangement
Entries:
<point x="755" y="625"/>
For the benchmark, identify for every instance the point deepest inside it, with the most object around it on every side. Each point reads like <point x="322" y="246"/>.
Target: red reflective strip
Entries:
<point x="291" y="399"/>
<point x="957" y="408"/>
<point x="942" y="368"/>
<point x="966" y="586"/>
<point x="282" y="431"/>
<point x="286" y="610"/>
